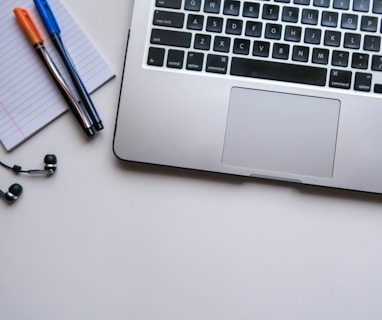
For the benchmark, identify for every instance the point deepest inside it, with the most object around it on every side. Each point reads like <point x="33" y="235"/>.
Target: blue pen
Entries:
<point x="54" y="32"/>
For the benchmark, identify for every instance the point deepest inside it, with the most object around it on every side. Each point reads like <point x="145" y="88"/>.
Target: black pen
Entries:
<point x="37" y="41"/>
<point x="54" y="31"/>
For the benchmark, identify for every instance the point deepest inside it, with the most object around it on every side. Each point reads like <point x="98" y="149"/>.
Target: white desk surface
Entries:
<point x="102" y="240"/>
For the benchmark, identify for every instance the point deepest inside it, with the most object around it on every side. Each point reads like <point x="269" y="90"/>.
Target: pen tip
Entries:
<point x="89" y="132"/>
<point x="98" y="126"/>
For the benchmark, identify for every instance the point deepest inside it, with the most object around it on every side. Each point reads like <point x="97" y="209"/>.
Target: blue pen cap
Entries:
<point x="47" y="16"/>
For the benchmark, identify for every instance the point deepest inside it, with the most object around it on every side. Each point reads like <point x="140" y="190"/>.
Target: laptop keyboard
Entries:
<point x="327" y="43"/>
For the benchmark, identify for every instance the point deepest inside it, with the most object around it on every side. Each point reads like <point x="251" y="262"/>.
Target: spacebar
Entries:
<point x="278" y="71"/>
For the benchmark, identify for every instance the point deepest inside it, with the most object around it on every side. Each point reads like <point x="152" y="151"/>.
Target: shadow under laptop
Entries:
<point x="311" y="190"/>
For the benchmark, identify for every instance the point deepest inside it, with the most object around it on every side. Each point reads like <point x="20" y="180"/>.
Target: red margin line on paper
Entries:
<point x="20" y="131"/>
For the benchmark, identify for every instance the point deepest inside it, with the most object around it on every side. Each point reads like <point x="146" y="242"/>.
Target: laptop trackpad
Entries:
<point x="279" y="132"/>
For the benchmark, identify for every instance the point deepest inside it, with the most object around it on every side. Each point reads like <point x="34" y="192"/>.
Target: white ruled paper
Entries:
<point x="29" y="99"/>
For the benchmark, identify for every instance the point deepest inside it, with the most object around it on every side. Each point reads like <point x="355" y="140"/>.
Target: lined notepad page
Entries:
<point x="29" y="99"/>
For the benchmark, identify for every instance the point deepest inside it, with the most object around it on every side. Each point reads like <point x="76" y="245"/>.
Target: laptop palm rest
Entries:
<point x="281" y="133"/>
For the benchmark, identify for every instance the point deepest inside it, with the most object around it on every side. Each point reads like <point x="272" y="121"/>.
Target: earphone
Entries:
<point x="13" y="193"/>
<point x="16" y="189"/>
<point x="50" y="161"/>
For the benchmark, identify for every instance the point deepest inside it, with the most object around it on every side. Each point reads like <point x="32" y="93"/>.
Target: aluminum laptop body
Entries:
<point x="246" y="88"/>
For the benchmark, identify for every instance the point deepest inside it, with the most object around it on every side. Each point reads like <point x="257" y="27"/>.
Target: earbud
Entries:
<point x="13" y="193"/>
<point x="50" y="166"/>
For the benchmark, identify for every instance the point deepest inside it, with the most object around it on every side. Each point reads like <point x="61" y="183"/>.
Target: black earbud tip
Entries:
<point x="50" y="159"/>
<point x="14" y="191"/>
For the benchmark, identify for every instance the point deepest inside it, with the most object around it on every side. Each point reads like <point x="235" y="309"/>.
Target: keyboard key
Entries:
<point x="195" y="22"/>
<point x="192" y="5"/>
<point x="171" y="38"/>
<point x="273" y="31"/>
<point x="217" y="64"/>
<point x="241" y="46"/>
<point x="292" y="33"/>
<point x="329" y="19"/>
<point x="377" y="6"/>
<point x="309" y="16"/>
<point x="175" y="59"/>
<point x="372" y="43"/>
<point x="369" y="24"/>
<point x="212" y="6"/>
<point x="168" y="19"/>
<point x="234" y="26"/>
<point x="202" y="42"/>
<point x="214" y="24"/>
<point x="332" y="38"/>
<point x="303" y="2"/>
<point x="300" y="53"/>
<point x="340" y="58"/>
<point x="349" y="21"/>
<point x="376" y="63"/>
<point x="156" y="57"/>
<point x="253" y="29"/>
<point x="280" y="51"/>
<point x="320" y="56"/>
<point x="222" y="44"/>
<point x="290" y="14"/>
<point x="312" y="36"/>
<point x="171" y="4"/>
<point x="278" y="71"/>
<point x="270" y="12"/>
<point x="360" y="61"/>
<point x="251" y="9"/>
<point x="261" y="49"/>
<point x="352" y="40"/>
<point x="362" y="81"/>
<point x="361" y="5"/>
<point x="341" y="4"/>
<point x="195" y="61"/>
<point x="378" y="88"/>
<point x="321" y="3"/>
<point x="231" y="8"/>
<point x="340" y="79"/>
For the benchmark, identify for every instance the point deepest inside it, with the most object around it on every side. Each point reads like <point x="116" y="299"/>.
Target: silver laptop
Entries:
<point x="287" y="89"/>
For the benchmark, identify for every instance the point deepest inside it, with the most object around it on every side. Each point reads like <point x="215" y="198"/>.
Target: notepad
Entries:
<point x="29" y="99"/>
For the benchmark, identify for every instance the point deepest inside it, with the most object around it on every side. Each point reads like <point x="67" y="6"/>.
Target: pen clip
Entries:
<point x="47" y="16"/>
<point x="28" y="25"/>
